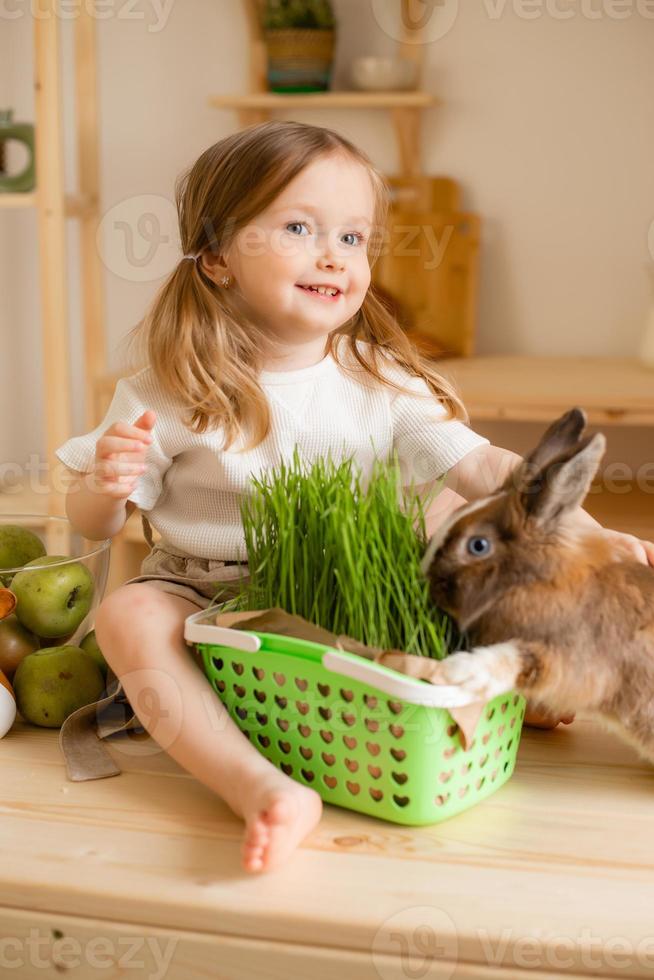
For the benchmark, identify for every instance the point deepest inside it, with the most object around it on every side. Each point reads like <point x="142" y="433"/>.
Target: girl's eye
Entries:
<point x="360" y="239"/>
<point x="296" y="224"/>
<point x="478" y="546"/>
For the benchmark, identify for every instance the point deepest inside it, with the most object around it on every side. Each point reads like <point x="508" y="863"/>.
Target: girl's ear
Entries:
<point x="562" y="483"/>
<point x="213" y="265"/>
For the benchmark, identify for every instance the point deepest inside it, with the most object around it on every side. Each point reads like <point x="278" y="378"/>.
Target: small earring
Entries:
<point x="225" y="281"/>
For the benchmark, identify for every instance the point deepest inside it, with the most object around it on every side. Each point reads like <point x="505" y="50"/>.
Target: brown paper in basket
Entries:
<point x="424" y="668"/>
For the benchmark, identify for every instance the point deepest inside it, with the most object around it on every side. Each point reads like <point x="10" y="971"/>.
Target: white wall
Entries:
<point x="546" y="122"/>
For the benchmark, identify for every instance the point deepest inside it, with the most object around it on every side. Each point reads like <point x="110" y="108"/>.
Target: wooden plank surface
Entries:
<point x="528" y="388"/>
<point x="552" y="873"/>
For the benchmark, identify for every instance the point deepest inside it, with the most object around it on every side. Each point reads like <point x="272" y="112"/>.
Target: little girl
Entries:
<point x="266" y="336"/>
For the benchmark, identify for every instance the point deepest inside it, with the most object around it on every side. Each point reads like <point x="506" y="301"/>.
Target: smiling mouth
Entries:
<point x="325" y="297"/>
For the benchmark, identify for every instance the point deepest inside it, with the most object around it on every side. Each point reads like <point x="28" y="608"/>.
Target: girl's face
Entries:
<point x="314" y="234"/>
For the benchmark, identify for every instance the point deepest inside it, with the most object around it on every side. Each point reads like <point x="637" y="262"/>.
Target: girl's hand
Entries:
<point x="120" y="456"/>
<point x="642" y="551"/>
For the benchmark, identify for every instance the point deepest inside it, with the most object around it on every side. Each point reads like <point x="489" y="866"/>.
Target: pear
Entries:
<point x="50" y="684"/>
<point x="18" y="545"/>
<point x="90" y="645"/>
<point x="15" y="643"/>
<point x="52" y="602"/>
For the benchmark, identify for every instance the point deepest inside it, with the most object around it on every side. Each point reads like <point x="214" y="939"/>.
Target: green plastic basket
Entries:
<point x="363" y="736"/>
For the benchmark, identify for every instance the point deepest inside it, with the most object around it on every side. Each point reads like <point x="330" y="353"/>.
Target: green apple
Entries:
<point x="90" y="645"/>
<point x="17" y="546"/>
<point x="53" y="601"/>
<point x="50" y="684"/>
<point x="15" y="643"/>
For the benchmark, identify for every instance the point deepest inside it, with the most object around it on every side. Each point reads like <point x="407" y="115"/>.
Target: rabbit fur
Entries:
<point x="551" y="609"/>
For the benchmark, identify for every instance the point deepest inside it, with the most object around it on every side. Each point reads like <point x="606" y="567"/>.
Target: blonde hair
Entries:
<point x="206" y="354"/>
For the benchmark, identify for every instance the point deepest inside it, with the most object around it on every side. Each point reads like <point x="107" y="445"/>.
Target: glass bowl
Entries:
<point x="57" y="599"/>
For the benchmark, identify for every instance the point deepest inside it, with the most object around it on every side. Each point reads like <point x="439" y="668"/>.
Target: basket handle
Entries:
<point x="195" y="632"/>
<point x="396" y="684"/>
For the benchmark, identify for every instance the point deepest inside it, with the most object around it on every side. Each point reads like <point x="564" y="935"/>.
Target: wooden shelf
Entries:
<point x="75" y="205"/>
<point x="325" y="100"/>
<point x="256" y="105"/>
<point x="523" y="388"/>
<point x="13" y="201"/>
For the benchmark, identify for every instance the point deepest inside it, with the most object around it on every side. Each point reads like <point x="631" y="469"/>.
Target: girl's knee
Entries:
<point x="119" y="615"/>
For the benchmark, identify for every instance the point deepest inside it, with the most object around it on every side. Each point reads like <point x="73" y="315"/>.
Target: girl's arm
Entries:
<point x="483" y="469"/>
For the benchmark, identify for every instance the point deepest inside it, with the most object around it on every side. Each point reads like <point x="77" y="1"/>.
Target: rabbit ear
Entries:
<point x="562" y="484"/>
<point x="562" y="434"/>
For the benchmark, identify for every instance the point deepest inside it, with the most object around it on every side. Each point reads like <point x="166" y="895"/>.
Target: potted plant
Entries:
<point x="300" y="40"/>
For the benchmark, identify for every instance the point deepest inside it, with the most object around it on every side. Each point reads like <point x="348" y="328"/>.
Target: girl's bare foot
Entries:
<point x="278" y="814"/>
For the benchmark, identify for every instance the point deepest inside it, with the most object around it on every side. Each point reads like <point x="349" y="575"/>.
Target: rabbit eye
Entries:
<point x="478" y="546"/>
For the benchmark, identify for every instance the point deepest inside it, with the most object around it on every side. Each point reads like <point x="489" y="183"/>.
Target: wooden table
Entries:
<point x="529" y="388"/>
<point x="552" y="873"/>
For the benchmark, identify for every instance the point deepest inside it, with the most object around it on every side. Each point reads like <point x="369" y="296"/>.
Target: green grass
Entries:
<point x="343" y="554"/>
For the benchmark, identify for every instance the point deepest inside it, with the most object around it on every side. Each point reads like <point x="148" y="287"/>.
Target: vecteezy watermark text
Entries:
<point x="148" y="956"/>
<point x="154" y="12"/>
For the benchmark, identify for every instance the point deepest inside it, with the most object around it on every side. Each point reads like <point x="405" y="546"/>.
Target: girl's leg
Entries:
<point x="140" y="631"/>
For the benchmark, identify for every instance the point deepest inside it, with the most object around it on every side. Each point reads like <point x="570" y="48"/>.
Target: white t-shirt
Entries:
<point x="192" y="488"/>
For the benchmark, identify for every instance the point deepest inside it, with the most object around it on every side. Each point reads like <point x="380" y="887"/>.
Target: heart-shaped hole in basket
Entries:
<point x="330" y="781"/>
<point x="326" y="736"/>
<point x="308" y="774"/>
<point x="280" y="679"/>
<point x="237" y="668"/>
<point x="304" y="730"/>
<point x="259" y="673"/>
<point x="262" y="718"/>
<point x="283" y="723"/>
<point x="350" y="741"/>
<point x="353" y="788"/>
<point x="400" y="778"/>
<point x="302" y="707"/>
<point x="287" y="768"/>
<point x="375" y="771"/>
<point x="325" y="691"/>
<point x="301" y="684"/>
<point x="263" y="740"/>
<point x="241" y="712"/>
<point x="239" y="690"/>
<point x="376" y="794"/>
<point x="325" y="713"/>
<point x="348" y="718"/>
<point x="260" y="696"/>
<point x="285" y="747"/>
<point x="398" y="754"/>
<point x="281" y="702"/>
<point x="374" y="748"/>
<point x="306" y="752"/>
<point x="351" y="764"/>
<point x="328" y="758"/>
<point x="401" y="800"/>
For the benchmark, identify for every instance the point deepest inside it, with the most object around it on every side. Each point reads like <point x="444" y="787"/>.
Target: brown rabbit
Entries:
<point x="550" y="609"/>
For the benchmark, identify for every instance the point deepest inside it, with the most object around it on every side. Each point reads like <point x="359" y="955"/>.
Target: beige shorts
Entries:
<point x="195" y="579"/>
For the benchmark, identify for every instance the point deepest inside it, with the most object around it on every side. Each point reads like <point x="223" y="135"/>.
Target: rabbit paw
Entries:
<point x="485" y="672"/>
